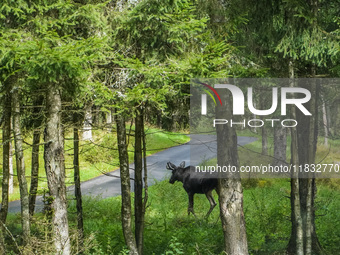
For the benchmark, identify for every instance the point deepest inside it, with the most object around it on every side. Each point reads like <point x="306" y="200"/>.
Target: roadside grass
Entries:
<point x="96" y="157"/>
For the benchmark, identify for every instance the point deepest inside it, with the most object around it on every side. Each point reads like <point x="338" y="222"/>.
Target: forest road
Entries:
<point x="108" y="185"/>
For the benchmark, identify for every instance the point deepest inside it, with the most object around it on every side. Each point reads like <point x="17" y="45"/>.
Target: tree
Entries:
<point x="59" y="65"/>
<point x="149" y="33"/>
<point x="25" y="217"/>
<point x="229" y="190"/>
<point x="302" y="42"/>
<point x="55" y="169"/>
<point x="87" y="129"/>
<point x="139" y="202"/>
<point x="6" y="140"/>
<point x="125" y="185"/>
<point x="37" y="118"/>
<point x="77" y="189"/>
<point x="290" y="37"/>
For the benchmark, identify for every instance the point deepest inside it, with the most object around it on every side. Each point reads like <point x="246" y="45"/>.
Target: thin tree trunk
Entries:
<point x="311" y="145"/>
<point x="306" y="138"/>
<point x="87" y="129"/>
<point x="295" y="245"/>
<point x="145" y="178"/>
<point x="125" y="186"/>
<point x="77" y="189"/>
<point x="34" y="171"/>
<point x="325" y="120"/>
<point x="37" y="116"/>
<point x="280" y="145"/>
<point x="229" y="186"/>
<point x="55" y="170"/>
<point x="308" y="224"/>
<point x="264" y="141"/>
<point x="19" y="153"/>
<point x="329" y="118"/>
<point x="139" y="208"/>
<point x="109" y="120"/>
<point x="264" y="134"/>
<point x="6" y="139"/>
<point x="11" y="170"/>
<point x="312" y="242"/>
<point x="2" y="240"/>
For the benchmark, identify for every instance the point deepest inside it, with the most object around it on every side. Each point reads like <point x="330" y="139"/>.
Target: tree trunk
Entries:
<point x="77" y="188"/>
<point x="125" y="185"/>
<point x="264" y="141"/>
<point x="139" y="208"/>
<point x="37" y="120"/>
<point x="11" y="170"/>
<point x="325" y="120"/>
<point x="2" y="240"/>
<point x="264" y="133"/>
<point x="34" y="171"/>
<point x="229" y="186"/>
<point x="295" y="245"/>
<point x="19" y="153"/>
<point x="87" y="129"/>
<point x="280" y="145"/>
<point x="304" y="190"/>
<point x="145" y="178"/>
<point x="6" y="140"/>
<point x="307" y="142"/>
<point x="109" y="120"/>
<point x="55" y="170"/>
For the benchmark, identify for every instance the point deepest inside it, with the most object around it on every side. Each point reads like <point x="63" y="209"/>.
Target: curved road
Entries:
<point x="202" y="146"/>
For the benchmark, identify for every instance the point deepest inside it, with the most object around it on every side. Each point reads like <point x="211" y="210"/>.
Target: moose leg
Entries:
<point x="191" y="204"/>
<point x="211" y="201"/>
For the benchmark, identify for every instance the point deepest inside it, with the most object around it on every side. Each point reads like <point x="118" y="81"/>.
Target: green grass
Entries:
<point x="169" y="230"/>
<point x="96" y="157"/>
<point x="168" y="227"/>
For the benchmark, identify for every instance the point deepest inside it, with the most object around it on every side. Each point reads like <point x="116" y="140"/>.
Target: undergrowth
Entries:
<point x="169" y="230"/>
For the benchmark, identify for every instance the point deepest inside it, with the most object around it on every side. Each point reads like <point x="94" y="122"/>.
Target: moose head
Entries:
<point x="177" y="172"/>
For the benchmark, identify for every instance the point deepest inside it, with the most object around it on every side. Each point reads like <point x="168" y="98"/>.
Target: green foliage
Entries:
<point x="158" y="28"/>
<point x="309" y="46"/>
<point x="305" y="37"/>
<point x="267" y="229"/>
<point x="147" y="36"/>
<point x="327" y="224"/>
<point x="56" y="42"/>
<point x="174" y="247"/>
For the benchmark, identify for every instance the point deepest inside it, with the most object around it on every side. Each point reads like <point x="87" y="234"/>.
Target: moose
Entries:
<point x="193" y="183"/>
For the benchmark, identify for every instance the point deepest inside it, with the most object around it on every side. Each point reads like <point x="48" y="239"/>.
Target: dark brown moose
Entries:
<point x="193" y="183"/>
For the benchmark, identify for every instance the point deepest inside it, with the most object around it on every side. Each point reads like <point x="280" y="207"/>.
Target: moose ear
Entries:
<point x="182" y="165"/>
<point x="170" y="166"/>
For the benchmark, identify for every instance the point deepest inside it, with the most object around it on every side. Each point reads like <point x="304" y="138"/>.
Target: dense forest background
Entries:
<point x="89" y="86"/>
